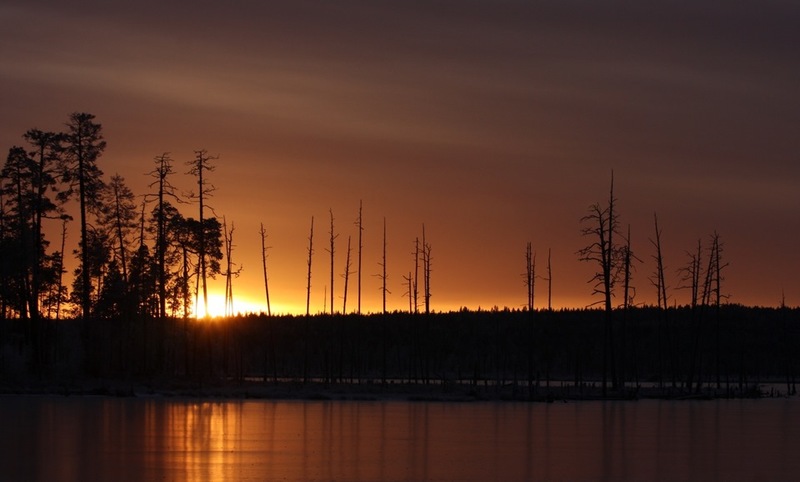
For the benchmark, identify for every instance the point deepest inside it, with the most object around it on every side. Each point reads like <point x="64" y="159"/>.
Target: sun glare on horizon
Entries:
<point x="217" y="307"/>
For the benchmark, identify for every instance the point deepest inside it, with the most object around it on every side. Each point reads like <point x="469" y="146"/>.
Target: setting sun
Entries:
<point x="217" y="307"/>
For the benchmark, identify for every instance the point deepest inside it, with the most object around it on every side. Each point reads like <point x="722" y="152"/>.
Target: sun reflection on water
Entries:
<point x="185" y="440"/>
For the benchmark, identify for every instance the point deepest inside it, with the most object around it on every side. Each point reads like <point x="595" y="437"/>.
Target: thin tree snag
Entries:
<point x="426" y="270"/>
<point x="409" y="292"/>
<point x="360" y="225"/>
<point x="549" y="282"/>
<point x="530" y="274"/>
<point x="264" y="248"/>
<point x="383" y="276"/>
<point x="331" y="250"/>
<point x="346" y="277"/>
<point x="310" y="253"/>
<point x="416" y="275"/>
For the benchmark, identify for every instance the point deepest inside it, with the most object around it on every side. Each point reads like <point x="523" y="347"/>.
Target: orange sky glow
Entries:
<point x="493" y="123"/>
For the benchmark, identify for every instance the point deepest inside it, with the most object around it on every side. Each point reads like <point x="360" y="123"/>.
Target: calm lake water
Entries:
<point x="87" y="438"/>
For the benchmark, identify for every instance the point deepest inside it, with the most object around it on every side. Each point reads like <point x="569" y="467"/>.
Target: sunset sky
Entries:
<point x="493" y="122"/>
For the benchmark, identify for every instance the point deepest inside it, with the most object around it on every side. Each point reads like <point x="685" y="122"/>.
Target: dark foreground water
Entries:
<point x="86" y="438"/>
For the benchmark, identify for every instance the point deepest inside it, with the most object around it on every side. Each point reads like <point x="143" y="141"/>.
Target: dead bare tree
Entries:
<point x="310" y="253"/>
<point x="416" y="275"/>
<point x="384" y="291"/>
<point x="691" y="273"/>
<point x="530" y="283"/>
<point x="533" y="282"/>
<point x="602" y="227"/>
<point x="627" y="356"/>
<point x="230" y="272"/>
<point x="331" y="250"/>
<point x="628" y="259"/>
<point x="269" y="351"/>
<point x="530" y="274"/>
<point x="658" y="277"/>
<point x="702" y="294"/>
<point x="383" y="276"/>
<point x="707" y="293"/>
<point x="426" y="271"/>
<point x="690" y="279"/>
<point x="717" y="267"/>
<point x="549" y="282"/>
<point x="665" y="335"/>
<point x="264" y="249"/>
<point x="359" y="223"/>
<point x="409" y="291"/>
<point x="346" y="276"/>
<point x="227" y="240"/>
<point x="308" y="304"/>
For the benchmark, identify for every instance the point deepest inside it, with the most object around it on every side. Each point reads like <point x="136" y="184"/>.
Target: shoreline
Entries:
<point x="408" y="392"/>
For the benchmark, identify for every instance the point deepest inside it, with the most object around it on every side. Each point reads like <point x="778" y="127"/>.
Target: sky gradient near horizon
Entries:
<point x="494" y="123"/>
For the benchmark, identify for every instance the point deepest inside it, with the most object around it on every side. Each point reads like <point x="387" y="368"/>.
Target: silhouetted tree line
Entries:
<point x="489" y="350"/>
<point x="142" y="264"/>
<point x="138" y="260"/>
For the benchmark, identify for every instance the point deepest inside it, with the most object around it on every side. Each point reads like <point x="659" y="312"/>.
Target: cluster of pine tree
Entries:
<point x="138" y="256"/>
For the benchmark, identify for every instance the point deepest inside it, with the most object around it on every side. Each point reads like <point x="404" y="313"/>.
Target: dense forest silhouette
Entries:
<point x="142" y="266"/>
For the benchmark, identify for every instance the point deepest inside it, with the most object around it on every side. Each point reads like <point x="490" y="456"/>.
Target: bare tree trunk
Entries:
<point x="716" y="253"/>
<point x="310" y="253"/>
<point x="408" y="279"/>
<point x="706" y="300"/>
<point x="346" y="277"/>
<point x="608" y="267"/>
<point x="416" y="275"/>
<point x="344" y="312"/>
<point x="308" y="304"/>
<point x="693" y="276"/>
<point x="383" y="276"/>
<point x="663" y="333"/>
<point x="533" y="281"/>
<point x="426" y="270"/>
<point x="717" y="274"/>
<point x="264" y="264"/>
<point x="702" y="295"/>
<point x="331" y="251"/>
<point x="360" y="248"/>
<point x="530" y="280"/>
<point x="624" y="355"/>
<point x="269" y="351"/>
<point x="549" y="282"/>
<point x="529" y="274"/>
<point x="230" y="273"/>
<point x="384" y="291"/>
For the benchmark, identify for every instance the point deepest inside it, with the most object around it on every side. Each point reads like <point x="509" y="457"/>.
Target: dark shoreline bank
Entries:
<point x="489" y="355"/>
<point x="411" y="392"/>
